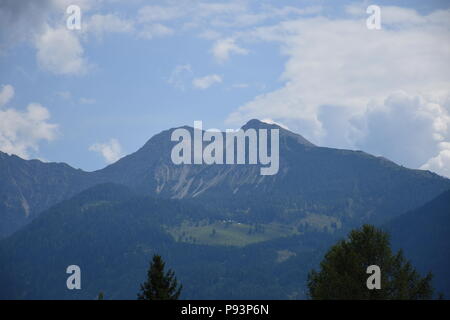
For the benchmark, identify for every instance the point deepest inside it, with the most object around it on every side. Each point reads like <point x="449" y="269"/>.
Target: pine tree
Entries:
<point x="159" y="285"/>
<point x="343" y="274"/>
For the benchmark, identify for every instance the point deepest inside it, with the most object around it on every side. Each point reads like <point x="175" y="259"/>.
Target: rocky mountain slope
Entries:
<point x="349" y="185"/>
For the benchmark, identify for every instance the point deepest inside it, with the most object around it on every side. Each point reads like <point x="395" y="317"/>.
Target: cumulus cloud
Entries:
<point x="206" y="81"/>
<point x="21" y="20"/>
<point x="60" y="51"/>
<point x="41" y="23"/>
<point x="441" y="162"/>
<point x="405" y="128"/>
<point x="384" y="91"/>
<point x="111" y="150"/>
<point x="6" y="94"/>
<point x="223" y="48"/>
<point x="21" y="132"/>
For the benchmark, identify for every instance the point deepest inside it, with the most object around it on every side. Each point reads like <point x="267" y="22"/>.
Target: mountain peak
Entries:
<point x="258" y="124"/>
<point x="251" y="124"/>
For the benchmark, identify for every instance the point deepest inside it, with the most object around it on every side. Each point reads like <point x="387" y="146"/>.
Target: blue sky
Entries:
<point x="87" y="97"/>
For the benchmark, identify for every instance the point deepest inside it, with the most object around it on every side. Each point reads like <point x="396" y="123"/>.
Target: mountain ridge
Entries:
<point x="310" y="178"/>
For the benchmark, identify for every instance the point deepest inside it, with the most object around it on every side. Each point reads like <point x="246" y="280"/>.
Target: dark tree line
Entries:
<point x="342" y="273"/>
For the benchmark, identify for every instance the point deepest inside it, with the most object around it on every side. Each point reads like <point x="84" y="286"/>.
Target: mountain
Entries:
<point x="424" y="236"/>
<point x="112" y="233"/>
<point x="315" y="186"/>
<point x="27" y="187"/>
<point x="312" y="183"/>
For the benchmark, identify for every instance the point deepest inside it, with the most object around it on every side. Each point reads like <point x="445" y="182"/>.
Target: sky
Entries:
<point x="90" y="96"/>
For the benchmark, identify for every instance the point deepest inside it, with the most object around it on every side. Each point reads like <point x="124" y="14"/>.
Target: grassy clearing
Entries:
<point x="229" y="233"/>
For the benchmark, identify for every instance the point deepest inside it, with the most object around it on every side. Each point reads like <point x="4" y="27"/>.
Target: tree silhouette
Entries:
<point x="343" y="274"/>
<point x="159" y="285"/>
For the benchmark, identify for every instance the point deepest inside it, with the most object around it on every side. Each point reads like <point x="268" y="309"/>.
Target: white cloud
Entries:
<point x="151" y="17"/>
<point x="60" y="52"/>
<point x="85" y="5"/>
<point x="41" y="23"/>
<point x="155" y="30"/>
<point x="230" y="15"/>
<point x="99" y="24"/>
<point x="6" y="94"/>
<point x="384" y="91"/>
<point x="246" y="17"/>
<point x="21" y="132"/>
<point x="391" y="15"/>
<point x="223" y="48"/>
<point x="405" y="128"/>
<point x="154" y="13"/>
<point x="197" y="11"/>
<point x="440" y="163"/>
<point x="206" y="81"/>
<point x="180" y="75"/>
<point x="111" y="151"/>
<point x="217" y="8"/>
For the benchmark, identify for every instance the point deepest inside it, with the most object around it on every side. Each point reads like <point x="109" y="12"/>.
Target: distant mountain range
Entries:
<point x="351" y="185"/>
<point x="228" y="231"/>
